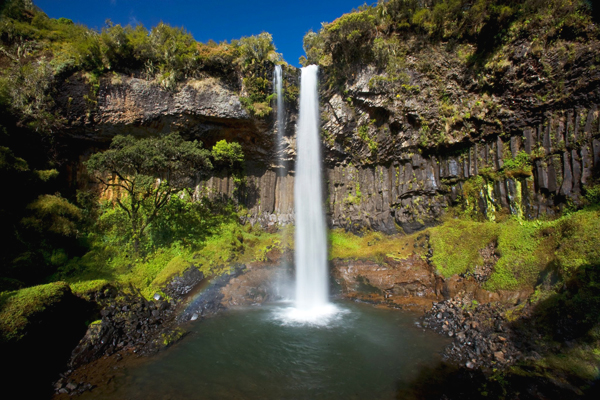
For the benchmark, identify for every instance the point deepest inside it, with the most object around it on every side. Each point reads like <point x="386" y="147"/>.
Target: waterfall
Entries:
<point x="282" y="197"/>
<point x="277" y="87"/>
<point x="312" y="293"/>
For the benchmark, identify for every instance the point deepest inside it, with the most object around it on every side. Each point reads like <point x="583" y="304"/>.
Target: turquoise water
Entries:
<point x="363" y="352"/>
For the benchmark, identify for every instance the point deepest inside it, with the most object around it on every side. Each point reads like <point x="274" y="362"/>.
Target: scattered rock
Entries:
<point x="481" y="333"/>
<point x="499" y="356"/>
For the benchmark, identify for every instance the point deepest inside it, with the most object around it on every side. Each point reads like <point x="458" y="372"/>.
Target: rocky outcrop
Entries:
<point x="261" y="282"/>
<point x="409" y="284"/>
<point x="129" y="323"/>
<point x="127" y="105"/>
<point x="51" y="328"/>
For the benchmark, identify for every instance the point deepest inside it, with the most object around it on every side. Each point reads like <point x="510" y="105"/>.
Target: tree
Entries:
<point x="227" y="153"/>
<point x="149" y="171"/>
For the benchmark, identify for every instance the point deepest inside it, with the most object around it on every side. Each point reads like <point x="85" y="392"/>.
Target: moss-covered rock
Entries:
<point x="19" y="309"/>
<point x="39" y="328"/>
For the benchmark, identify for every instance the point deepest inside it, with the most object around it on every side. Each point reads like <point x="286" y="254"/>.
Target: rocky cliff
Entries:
<point x="410" y="126"/>
<point x="401" y="184"/>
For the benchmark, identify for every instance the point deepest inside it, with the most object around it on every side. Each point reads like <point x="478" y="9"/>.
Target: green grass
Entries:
<point x="231" y="243"/>
<point x="371" y="245"/>
<point x="456" y="245"/>
<point x="526" y="248"/>
<point x="578" y="242"/>
<point x="17" y="307"/>
<point x="522" y="256"/>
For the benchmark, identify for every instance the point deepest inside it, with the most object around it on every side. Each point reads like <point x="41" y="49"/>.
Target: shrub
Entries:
<point x="228" y="153"/>
<point x="259" y="96"/>
<point x="520" y="166"/>
<point x="256" y="50"/>
<point x="53" y="214"/>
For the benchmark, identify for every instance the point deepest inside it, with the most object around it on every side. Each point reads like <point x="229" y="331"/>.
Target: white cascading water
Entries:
<point x="282" y="285"/>
<point x="312" y="292"/>
<point x="278" y="84"/>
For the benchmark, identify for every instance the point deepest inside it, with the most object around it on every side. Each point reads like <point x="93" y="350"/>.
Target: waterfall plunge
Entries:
<point x="312" y="292"/>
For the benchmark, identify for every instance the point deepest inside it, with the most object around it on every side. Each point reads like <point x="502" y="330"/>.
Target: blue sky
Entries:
<point x="287" y="21"/>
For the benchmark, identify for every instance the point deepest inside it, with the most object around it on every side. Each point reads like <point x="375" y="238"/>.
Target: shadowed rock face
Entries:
<point x="42" y="353"/>
<point x="132" y="103"/>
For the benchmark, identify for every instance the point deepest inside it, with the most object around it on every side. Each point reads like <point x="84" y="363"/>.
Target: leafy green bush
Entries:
<point x="256" y="50"/>
<point x="228" y="153"/>
<point x="53" y="214"/>
<point x="17" y="9"/>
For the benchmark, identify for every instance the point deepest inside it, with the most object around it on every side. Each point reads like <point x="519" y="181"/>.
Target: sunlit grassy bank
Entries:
<point x="527" y="250"/>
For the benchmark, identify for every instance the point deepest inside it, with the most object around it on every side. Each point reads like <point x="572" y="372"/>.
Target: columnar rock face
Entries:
<point x="413" y="191"/>
<point x="379" y="171"/>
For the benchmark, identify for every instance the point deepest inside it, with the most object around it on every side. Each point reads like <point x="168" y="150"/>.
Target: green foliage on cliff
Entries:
<point x="259" y="91"/>
<point x="517" y="167"/>
<point x="526" y="249"/>
<point x="373" y="29"/>
<point x="166" y="53"/>
<point x="363" y="134"/>
<point x="256" y="50"/>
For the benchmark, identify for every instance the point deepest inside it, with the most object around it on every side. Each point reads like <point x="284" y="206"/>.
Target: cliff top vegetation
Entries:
<point x="36" y="50"/>
<point x="447" y="73"/>
<point x="371" y="33"/>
